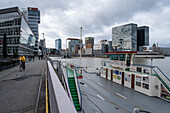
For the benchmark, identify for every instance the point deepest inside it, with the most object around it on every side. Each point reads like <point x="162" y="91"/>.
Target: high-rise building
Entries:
<point x="109" y="46"/>
<point x="89" y="40"/>
<point x="58" y="44"/>
<point x="33" y="17"/>
<point x="20" y="37"/>
<point x="72" y="45"/>
<point x="142" y="37"/>
<point x="125" y="37"/>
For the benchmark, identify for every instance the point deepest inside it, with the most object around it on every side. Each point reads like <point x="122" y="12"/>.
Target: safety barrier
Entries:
<point x="59" y="101"/>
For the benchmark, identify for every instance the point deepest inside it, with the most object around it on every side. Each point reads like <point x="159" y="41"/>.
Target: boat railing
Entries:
<point x="159" y="73"/>
<point x="66" y="81"/>
<point x="143" y="65"/>
<point x="79" y="91"/>
<point x="59" y="101"/>
<point x="62" y="76"/>
<point x="162" y="77"/>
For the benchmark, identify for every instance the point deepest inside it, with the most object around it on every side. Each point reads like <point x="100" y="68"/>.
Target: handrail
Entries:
<point x="69" y="86"/>
<point x="61" y="75"/>
<point x="66" y="82"/>
<point x="162" y="72"/>
<point x="58" y="98"/>
<point x="143" y="65"/>
<point x="79" y="88"/>
<point x="162" y="80"/>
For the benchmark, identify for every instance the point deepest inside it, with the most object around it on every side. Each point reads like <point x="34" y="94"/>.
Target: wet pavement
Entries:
<point x="104" y="96"/>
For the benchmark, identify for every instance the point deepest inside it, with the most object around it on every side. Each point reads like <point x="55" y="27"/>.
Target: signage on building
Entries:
<point x="32" y="9"/>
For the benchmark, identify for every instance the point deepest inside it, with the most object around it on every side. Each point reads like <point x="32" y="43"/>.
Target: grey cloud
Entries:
<point x="63" y="18"/>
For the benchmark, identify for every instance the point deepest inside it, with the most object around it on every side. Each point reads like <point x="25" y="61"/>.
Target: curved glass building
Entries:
<point x="20" y="38"/>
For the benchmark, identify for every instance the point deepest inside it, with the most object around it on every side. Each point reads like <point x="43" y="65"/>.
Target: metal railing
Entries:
<point x="162" y="77"/>
<point x="79" y="91"/>
<point x="58" y="99"/>
<point x="159" y="73"/>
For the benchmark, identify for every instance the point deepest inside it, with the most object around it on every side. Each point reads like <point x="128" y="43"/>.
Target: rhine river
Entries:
<point x="92" y="62"/>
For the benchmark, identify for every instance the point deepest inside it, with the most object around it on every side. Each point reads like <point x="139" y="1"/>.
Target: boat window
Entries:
<point x="114" y="57"/>
<point x="128" y="57"/>
<point x="146" y="79"/>
<point x="139" y="69"/>
<point x="138" y="78"/>
<point x="146" y="86"/>
<point x="122" y="57"/>
<point x="146" y="71"/>
<point x="138" y="83"/>
<point x="128" y="60"/>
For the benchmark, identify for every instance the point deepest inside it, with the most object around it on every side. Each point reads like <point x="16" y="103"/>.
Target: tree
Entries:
<point x="4" y="46"/>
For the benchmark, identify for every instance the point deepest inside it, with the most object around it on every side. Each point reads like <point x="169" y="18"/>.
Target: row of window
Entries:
<point x="12" y="22"/>
<point x="140" y="81"/>
<point x="10" y="49"/>
<point x="10" y="31"/>
<point x="139" y="69"/>
<point x="10" y="40"/>
<point x="120" y="57"/>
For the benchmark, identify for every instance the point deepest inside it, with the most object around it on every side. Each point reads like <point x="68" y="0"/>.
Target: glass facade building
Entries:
<point x="20" y="38"/>
<point x="89" y="40"/>
<point x="58" y="44"/>
<point x="142" y="37"/>
<point x="72" y="44"/>
<point x="33" y="17"/>
<point x="125" y="37"/>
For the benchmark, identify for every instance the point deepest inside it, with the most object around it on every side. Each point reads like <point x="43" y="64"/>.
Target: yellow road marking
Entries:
<point x="46" y="98"/>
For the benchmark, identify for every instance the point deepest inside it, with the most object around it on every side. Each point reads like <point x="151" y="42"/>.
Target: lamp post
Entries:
<point x="44" y="45"/>
<point x="5" y="46"/>
<point x="80" y="43"/>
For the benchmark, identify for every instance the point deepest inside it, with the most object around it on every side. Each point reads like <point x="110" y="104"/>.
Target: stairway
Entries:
<point x="73" y="91"/>
<point x="162" y="77"/>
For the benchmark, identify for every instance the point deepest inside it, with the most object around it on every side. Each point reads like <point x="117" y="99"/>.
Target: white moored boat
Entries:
<point x="149" y="80"/>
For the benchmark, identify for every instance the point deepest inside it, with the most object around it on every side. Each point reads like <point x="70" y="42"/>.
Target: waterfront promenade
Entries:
<point x="19" y="90"/>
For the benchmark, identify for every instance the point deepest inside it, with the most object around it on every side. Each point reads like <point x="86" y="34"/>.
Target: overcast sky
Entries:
<point x="63" y="18"/>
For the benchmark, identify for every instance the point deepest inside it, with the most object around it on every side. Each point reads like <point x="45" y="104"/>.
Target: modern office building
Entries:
<point x="58" y="44"/>
<point x="72" y="45"/>
<point x="130" y="37"/>
<point x="20" y="37"/>
<point x="125" y="37"/>
<point x="101" y="48"/>
<point x="33" y="17"/>
<point x="110" y="46"/>
<point x="142" y="37"/>
<point x="89" y="40"/>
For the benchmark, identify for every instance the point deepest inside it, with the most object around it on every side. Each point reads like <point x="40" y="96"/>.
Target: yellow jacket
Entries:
<point x="22" y="58"/>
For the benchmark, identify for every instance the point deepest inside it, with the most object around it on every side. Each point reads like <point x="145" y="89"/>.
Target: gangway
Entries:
<point x="74" y="87"/>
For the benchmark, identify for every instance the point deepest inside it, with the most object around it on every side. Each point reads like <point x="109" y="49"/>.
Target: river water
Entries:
<point x="163" y="64"/>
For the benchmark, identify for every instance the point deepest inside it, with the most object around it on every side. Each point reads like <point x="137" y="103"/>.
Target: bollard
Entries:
<point x="136" y="110"/>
